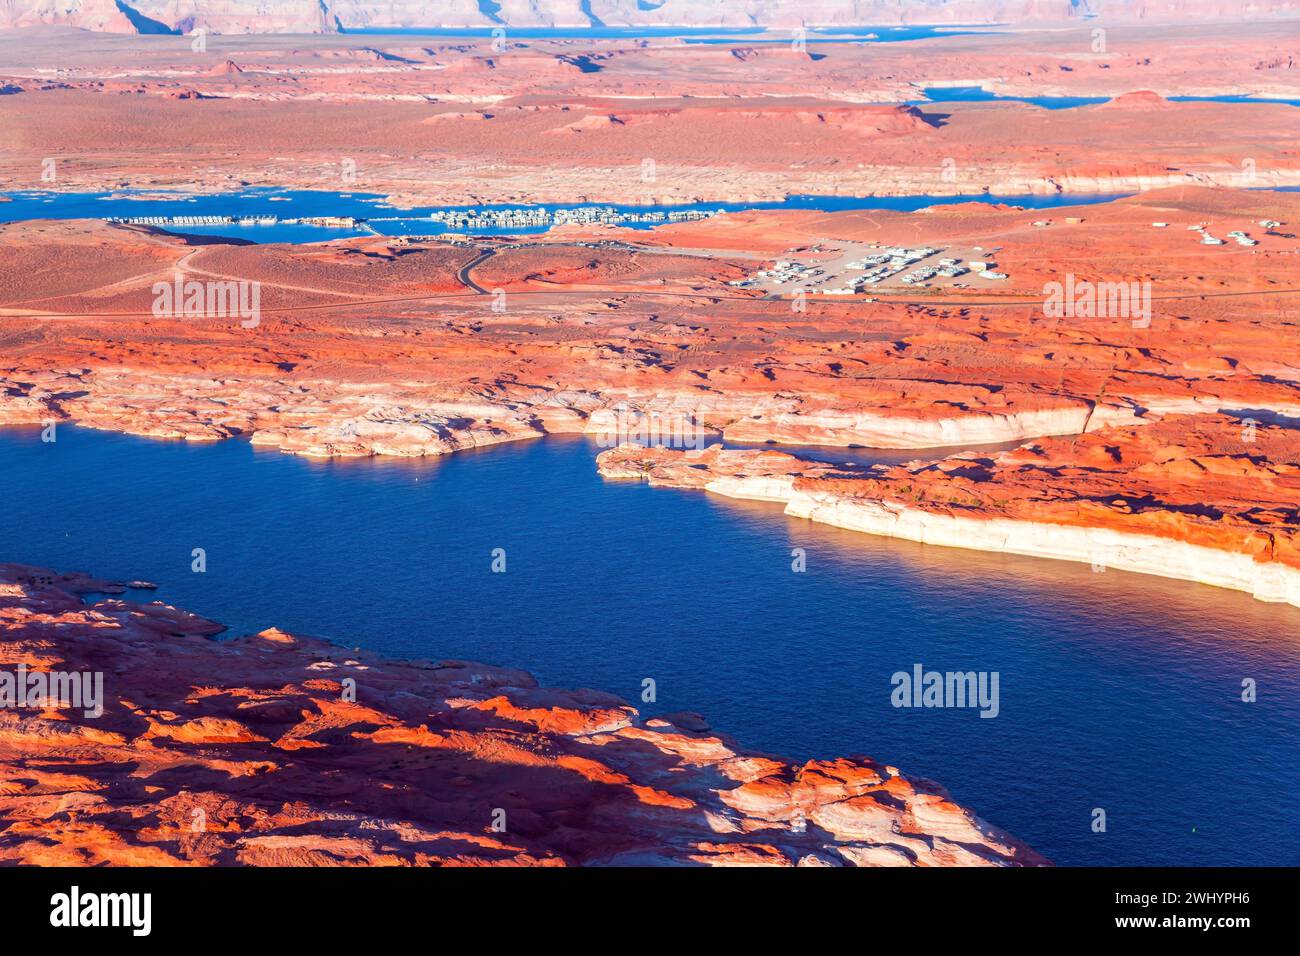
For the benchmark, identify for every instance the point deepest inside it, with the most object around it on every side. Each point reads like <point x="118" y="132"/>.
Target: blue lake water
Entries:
<point x="1227" y="98"/>
<point x="385" y="219"/>
<point x="708" y="35"/>
<point x="977" y="94"/>
<point x="1117" y="690"/>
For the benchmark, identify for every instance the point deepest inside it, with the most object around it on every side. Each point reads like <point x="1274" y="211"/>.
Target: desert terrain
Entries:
<point x="473" y="343"/>
<point x="475" y="120"/>
<point x="1146" y="419"/>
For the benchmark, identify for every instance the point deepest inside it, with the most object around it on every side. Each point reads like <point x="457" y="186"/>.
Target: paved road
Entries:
<point x="463" y="274"/>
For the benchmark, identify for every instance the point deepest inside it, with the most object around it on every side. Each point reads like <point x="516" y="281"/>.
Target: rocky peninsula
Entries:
<point x="1198" y="499"/>
<point x="281" y="749"/>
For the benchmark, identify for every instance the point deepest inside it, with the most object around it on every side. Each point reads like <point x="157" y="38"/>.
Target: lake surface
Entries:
<point x="387" y="220"/>
<point x="977" y="94"/>
<point x="1117" y="690"/>
<point x="709" y="35"/>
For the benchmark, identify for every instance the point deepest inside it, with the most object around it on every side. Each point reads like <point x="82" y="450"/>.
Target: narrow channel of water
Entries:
<point x="388" y="220"/>
<point x="977" y="94"/>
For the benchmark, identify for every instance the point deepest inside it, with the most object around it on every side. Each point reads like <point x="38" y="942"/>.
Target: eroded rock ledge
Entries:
<point x="249" y="751"/>
<point x="1201" y="498"/>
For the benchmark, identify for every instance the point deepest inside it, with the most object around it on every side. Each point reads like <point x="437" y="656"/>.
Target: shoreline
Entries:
<point x="577" y="777"/>
<point x="1103" y="548"/>
<point x="1269" y="582"/>
<point x="779" y="481"/>
<point x="393" y="195"/>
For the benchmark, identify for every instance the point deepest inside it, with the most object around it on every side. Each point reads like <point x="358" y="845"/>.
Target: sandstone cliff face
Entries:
<point x="239" y="16"/>
<point x="274" y="749"/>
<point x="1199" y="498"/>
<point x="327" y="16"/>
<point x="174" y="16"/>
<point x="102" y="16"/>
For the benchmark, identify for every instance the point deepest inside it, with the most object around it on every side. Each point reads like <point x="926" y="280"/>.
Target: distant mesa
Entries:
<point x="870" y="119"/>
<point x="473" y="115"/>
<point x="593" y="123"/>
<point x="379" y="56"/>
<point x="1137" y="100"/>
<point x="600" y="122"/>
<point x="225" y="69"/>
<point x="864" y="120"/>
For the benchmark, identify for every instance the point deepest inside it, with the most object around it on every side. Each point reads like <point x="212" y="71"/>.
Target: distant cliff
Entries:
<point x="332" y="16"/>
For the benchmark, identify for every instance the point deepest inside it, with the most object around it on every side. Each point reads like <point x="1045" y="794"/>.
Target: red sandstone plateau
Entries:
<point x="1156" y="433"/>
<point x="276" y="749"/>
<point x="430" y="120"/>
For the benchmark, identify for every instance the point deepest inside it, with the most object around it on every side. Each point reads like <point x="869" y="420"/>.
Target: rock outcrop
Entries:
<point x="1202" y="499"/>
<point x="276" y="749"/>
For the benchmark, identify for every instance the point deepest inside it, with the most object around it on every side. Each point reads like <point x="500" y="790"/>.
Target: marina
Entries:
<point x="522" y="219"/>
